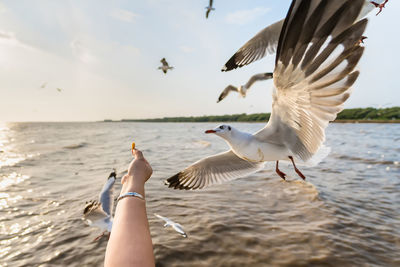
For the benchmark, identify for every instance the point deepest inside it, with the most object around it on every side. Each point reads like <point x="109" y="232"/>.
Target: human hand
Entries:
<point x="139" y="172"/>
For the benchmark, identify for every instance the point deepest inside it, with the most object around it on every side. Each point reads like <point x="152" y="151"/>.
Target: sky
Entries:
<point x="104" y="56"/>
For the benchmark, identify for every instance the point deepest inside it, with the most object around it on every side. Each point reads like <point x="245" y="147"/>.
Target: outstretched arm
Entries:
<point x="130" y="242"/>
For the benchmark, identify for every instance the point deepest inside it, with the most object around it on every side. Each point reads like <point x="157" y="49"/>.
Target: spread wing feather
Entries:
<point x="317" y="53"/>
<point x="263" y="43"/>
<point x="213" y="170"/>
<point x="106" y="195"/>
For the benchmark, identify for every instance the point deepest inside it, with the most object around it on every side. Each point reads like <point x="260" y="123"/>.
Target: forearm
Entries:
<point x="130" y="242"/>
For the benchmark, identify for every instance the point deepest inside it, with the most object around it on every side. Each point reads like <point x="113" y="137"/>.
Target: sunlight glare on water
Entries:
<point x="345" y="213"/>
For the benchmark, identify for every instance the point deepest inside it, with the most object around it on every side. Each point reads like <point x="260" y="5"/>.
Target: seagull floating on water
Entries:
<point x="99" y="213"/>
<point x="165" y="67"/>
<point x="317" y="54"/>
<point x="176" y="226"/>
<point x="266" y="41"/>
<point x="243" y="88"/>
<point x="209" y="8"/>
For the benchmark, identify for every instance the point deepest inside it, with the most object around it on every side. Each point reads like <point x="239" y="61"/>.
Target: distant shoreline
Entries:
<point x="336" y="121"/>
<point x="357" y="115"/>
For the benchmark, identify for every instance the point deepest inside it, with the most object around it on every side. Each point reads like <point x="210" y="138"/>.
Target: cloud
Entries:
<point x="81" y="51"/>
<point x="245" y="16"/>
<point x="3" y="8"/>
<point x="124" y="15"/>
<point x="9" y="39"/>
<point x="186" y="49"/>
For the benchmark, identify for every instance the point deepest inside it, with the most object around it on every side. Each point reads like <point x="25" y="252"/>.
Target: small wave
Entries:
<point x="198" y="144"/>
<point x="76" y="146"/>
<point x="367" y="161"/>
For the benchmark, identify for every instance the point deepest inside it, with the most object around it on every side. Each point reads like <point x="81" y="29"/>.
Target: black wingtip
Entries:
<point x="231" y="64"/>
<point x="174" y="182"/>
<point x="113" y="174"/>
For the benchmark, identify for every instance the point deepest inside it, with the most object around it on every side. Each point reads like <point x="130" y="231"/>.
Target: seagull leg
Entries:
<point x="100" y="236"/>
<point x="361" y="41"/>
<point x="380" y="6"/>
<point x="297" y="170"/>
<point x="281" y="174"/>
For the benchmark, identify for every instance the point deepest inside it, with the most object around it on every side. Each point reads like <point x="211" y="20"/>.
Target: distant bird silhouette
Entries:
<point x="165" y="67"/>
<point x="209" y="8"/>
<point x="59" y="90"/>
<point x="43" y="85"/>
<point x="243" y="88"/>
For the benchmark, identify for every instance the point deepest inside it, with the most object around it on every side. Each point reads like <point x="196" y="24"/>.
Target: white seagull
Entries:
<point x="266" y="41"/>
<point x="209" y="8"/>
<point x="99" y="213"/>
<point x="315" y="64"/>
<point x="242" y="90"/>
<point x="176" y="226"/>
<point x="165" y="67"/>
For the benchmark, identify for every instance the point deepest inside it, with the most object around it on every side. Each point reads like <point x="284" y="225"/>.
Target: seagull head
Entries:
<point x="222" y="130"/>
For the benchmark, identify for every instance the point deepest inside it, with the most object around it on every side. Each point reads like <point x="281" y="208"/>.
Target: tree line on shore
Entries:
<point x="356" y="114"/>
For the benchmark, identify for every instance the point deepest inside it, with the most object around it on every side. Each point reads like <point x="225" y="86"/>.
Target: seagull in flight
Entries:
<point x="209" y="8"/>
<point x="176" y="226"/>
<point x="165" y="67"/>
<point x="315" y="63"/>
<point x="243" y="88"/>
<point x="266" y="41"/>
<point x="99" y="213"/>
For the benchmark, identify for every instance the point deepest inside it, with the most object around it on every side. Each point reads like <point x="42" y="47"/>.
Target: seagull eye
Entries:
<point x="229" y="128"/>
<point x="221" y="127"/>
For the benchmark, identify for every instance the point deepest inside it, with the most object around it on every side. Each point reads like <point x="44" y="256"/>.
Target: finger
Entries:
<point x="137" y="153"/>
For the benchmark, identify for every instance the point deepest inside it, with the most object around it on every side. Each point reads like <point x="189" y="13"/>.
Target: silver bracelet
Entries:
<point x="130" y="194"/>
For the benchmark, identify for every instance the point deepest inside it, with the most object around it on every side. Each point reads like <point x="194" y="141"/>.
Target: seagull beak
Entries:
<point x="210" y="131"/>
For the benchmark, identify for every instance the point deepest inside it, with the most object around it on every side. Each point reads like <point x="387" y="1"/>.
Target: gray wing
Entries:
<point x="213" y="170"/>
<point x="263" y="43"/>
<point x="106" y="198"/>
<point x="258" y="77"/>
<point x="226" y="92"/>
<point x="317" y="53"/>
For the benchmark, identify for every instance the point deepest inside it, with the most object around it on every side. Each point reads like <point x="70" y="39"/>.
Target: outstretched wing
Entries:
<point x="167" y="220"/>
<point x="213" y="170"/>
<point x="211" y="3"/>
<point x="317" y="53"/>
<point x="207" y="13"/>
<point x="258" y="77"/>
<point x="106" y="198"/>
<point x="226" y="92"/>
<point x="263" y="43"/>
